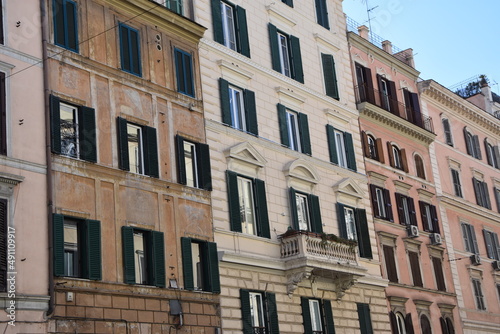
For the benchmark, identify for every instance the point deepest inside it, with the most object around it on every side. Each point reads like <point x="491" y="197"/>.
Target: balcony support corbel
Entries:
<point x="342" y="284"/>
<point x="294" y="279"/>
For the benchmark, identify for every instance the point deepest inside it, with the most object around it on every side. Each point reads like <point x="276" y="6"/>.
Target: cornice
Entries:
<point x="469" y="208"/>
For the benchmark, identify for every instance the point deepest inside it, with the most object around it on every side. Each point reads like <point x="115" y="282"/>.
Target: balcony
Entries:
<point x="308" y="254"/>
<point x="393" y="106"/>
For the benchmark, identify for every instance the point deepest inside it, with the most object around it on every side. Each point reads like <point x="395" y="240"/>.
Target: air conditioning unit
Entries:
<point x="436" y="239"/>
<point x="496" y="265"/>
<point x="475" y="259"/>
<point x="412" y="231"/>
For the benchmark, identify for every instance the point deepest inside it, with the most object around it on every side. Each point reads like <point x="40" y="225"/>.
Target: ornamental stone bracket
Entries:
<point x="342" y="284"/>
<point x="294" y="279"/>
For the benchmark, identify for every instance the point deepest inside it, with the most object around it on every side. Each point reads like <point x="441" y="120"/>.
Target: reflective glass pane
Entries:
<point x="135" y="154"/>
<point x="69" y="130"/>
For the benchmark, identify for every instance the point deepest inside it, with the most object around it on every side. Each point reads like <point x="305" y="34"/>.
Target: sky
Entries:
<point x="452" y="41"/>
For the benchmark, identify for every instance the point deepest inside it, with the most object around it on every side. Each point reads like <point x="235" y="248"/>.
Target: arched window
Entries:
<point x="447" y="325"/>
<point x="396" y="154"/>
<point x="372" y="147"/>
<point x="419" y="166"/>
<point x="425" y="324"/>
<point x="397" y="157"/>
<point x="400" y="320"/>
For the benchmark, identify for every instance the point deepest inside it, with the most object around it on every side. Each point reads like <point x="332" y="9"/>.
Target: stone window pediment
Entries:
<point x="301" y="175"/>
<point x="245" y="159"/>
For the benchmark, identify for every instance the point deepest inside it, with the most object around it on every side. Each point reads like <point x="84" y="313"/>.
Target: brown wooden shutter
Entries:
<point x="390" y="264"/>
<point x="380" y="150"/>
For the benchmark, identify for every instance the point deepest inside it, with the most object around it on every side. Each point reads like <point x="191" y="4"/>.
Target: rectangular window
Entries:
<point x="317" y="316"/>
<point x="200" y="265"/>
<point x="330" y="76"/>
<point x="305" y="212"/>
<point x="497" y="197"/>
<point x="303" y="218"/>
<point x="238" y="107"/>
<point x="3" y="115"/>
<point x="384" y="94"/>
<point x="472" y="144"/>
<point x="390" y="264"/>
<point x="365" y="91"/>
<point x="285" y="54"/>
<point x="457" y="186"/>
<point x="258" y="312"/>
<point x="437" y="265"/>
<point x="415" y="268"/>
<point x="65" y="24"/>
<point x="230" y="26"/>
<point x="77" y="247"/>
<point x="73" y="130"/>
<point x="492" y="245"/>
<point x="4" y="225"/>
<point x="341" y="148"/>
<point x="193" y="164"/>
<point x="469" y="237"/>
<point x="447" y="132"/>
<point x="388" y="95"/>
<point x="175" y="5"/>
<point x="429" y="217"/>
<point x="137" y="148"/>
<point x="365" y="321"/>
<point x="381" y="203"/>
<point x="353" y="226"/>
<point x="478" y="294"/>
<point x="481" y="192"/>
<point x="322" y="14"/>
<point x="406" y="210"/>
<point x="143" y="256"/>
<point x="412" y="108"/>
<point x="1" y="24"/>
<point x="288" y="2"/>
<point x="184" y="72"/>
<point x="294" y="129"/>
<point x="130" y="49"/>
<point x="247" y="205"/>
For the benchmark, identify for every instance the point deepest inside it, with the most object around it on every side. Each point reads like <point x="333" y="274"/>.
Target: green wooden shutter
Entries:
<point x="203" y="165"/>
<point x="217" y="22"/>
<point x="394" y="322"/>
<point x="174" y="5"/>
<point x="233" y="200"/>
<point x="332" y="147"/>
<point x="293" y="209"/>
<point x="213" y="267"/>
<point x="71" y="26"/>
<point x="330" y="76"/>
<point x="128" y="254"/>
<point x="341" y="220"/>
<point x="306" y="315"/>
<point x="365" y="248"/>
<point x="59" y="28"/>
<point x="273" y="313"/>
<point x="298" y="72"/>
<point x="224" y="101"/>
<point x="322" y="14"/>
<point x="316" y="224"/>
<point x="327" y="311"/>
<point x="242" y="32"/>
<point x="285" y="140"/>
<point x="158" y="270"/>
<point x="349" y="147"/>
<point x="261" y="206"/>
<point x="123" y="158"/>
<point x="434" y="218"/>
<point x="365" y="322"/>
<point x="87" y="132"/>
<point x="187" y="263"/>
<point x="305" y="139"/>
<point x="275" y="52"/>
<point x="181" y="165"/>
<point x="3" y="244"/>
<point x="58" y="239"/>
<point x="246" y="317"/>
<point x="93" y="251"/>
<point x="150" y="147"/>
<point x="251" y="112"/>
<point x="288" y="2"/>
<point x="55" y="124"/>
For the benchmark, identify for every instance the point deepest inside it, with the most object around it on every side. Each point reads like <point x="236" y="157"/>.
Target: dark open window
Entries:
<point x="175" y="5"/>
<point x="353" y="226"/>
<point x="317" y="316"/>
<point x="130" y="49"/>
<point x="364" y="317"/>
<point x="258" y="312"/>
<point x="200" y="265"/>
<point x="322" y="14"/>
<point x="65" y="24"/>
<point x="184" y="72"/>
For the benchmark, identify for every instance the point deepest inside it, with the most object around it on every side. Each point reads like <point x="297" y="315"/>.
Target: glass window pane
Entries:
<point x="316" y="325"/>
<point x="197" y="266"/>
<point x="141" y="276"/>
<point x="69" y="130"/>
<point x="350" y="223"/>
<point x="406" y="210"/>
<point x="302" y="212"/>
<point x="228" y="26"/>
<point x="381" y="202"/>
<point x="191" y="164"/>
<point x="284" y="55"/>
<point x="71" y="249"/>
<point x="293" y="130"/>
<point x="134" y="137"/>
<point x="339" y="142"/>
<point x="237" y="107"/>
<point x="257" y="310"/>
<point x="247" y="207"/>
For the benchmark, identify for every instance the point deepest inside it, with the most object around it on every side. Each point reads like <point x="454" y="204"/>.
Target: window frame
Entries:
<point x="247" y="112"/>
<point x="481" y="192"/>
<point x="492" y="244"/>
<point x="270" y="313"/>
<point x="179" y="7"/>
<point x="472" y="144"/>
<point x="492" y="154"/>
<point x="201" y="168"/>
<point x="207" y="273"/>
<point x="126" y="42"/>
<point x="478" y="294"/>
<point x="378" y="194"/>
<point x="324" y="313"/>
<point x="429" y="217"/>
<point x="292" y="55"/>
<point x="239" y="26"/>
<point x="341" y="148"/>
<point x="184" y="72"/>
<point x="300" y="131"/>
<point x="406" y="213"/>
<point x="313" y="211"/>
<point x="469" y="238"/>
<point x="437" y="267"/>
<point x="359" y="228"/>
<point x="322" y="14"/>
<point x="66" y="42"/>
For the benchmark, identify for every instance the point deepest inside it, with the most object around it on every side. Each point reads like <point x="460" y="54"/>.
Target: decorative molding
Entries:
<point x="294" y="279"/>
<point x="425" y="194"/>
<point x="244" y="157"/>
<point x="324" y="41"/>
<point x="286" y="94"/>
<point x="275" y="14"/>
<point x="350" y="189"/>
<point x="402" y="187"/>
<point x="342" y="284"/>
<point x="234" y="69"/>
<point x="377" y="178"/>
<point x="336" y="115"/>
<point x="10" y="179"/>
<point x="386" y="238"/>
<point x="301" y="171"/>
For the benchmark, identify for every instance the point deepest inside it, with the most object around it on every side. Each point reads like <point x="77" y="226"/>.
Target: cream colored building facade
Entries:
<point x="281" y="183"/>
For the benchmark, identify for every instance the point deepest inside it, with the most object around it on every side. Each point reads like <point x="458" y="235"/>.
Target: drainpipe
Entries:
<point x="48" y="156"/>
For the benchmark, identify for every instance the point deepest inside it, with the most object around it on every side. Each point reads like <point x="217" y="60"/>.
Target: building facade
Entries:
<point x="292" y="218"/>
<point x="397" y="137"/>
<point x="466" y="168"/>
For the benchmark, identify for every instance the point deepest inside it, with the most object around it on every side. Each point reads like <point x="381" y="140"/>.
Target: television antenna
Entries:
<point x="368" y="11"/>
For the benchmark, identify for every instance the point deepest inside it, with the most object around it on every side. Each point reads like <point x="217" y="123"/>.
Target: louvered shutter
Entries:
<point x="283" y="125"/>
<point x="251" y="112"/>
<point x="233" y="201"/>
<point x="305" y="140"/>
<point x="327" y="311"/>
<point x="150" y="148"/>
<point x="447" y="132"/>
<point x="477" y="147"/>
<point x="306" y="315"/>
<point x="87" y="132"/>
<point x="213" y="267"/>
<point x="341" y="220"/>
<point x="246" y="314"/>
<point x="272" y="313"/>
<point x="128" y="254"/>
<point x="225" y="101"/>
<point x="55" y="124"/>
<point x="203" y="166"/>
<point x="261" y="208"/>
<point x="93" y="251"/>
<point x="4" y="222"/>
<point x="365" y="322"/>
<point x="332" y="147"/>
<point x="123" y="158"/>
<point x="275" y="52"/>
<point x="217" y="21"/>
<point x="364" y="244"/>
<point x="296" y="59"/>
<point x="187" y="263"/>
<point x="349" y="147"/>
<point x="373" y="193"/>
<point x="293" y="209"/>
<point x="242" y="32"/>
<point x="330" y="75"/>
<point x="158" y="244"/>
<point x="58" y="240"/>
<point x="181" y="164"/>
<point x="314" y="207"/>
<point x="380" y="150"/>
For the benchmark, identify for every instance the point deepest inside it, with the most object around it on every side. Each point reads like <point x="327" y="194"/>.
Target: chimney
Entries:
<point x="486" y="91"/>
<point x="387" y="46"/>
<point x="363" y="31"/>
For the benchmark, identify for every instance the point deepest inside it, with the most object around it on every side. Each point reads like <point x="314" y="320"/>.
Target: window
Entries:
<point x="258" y="312"/>
<point x="65" y="24"/>
<point x="429" y="217"/>
<point x="457" y="186"/>
<point x="419" y="166"/>
<point x="437" y="265"/>
<point x="425" y="324"/>
<point x="193" y="164"/>
<point x="481" y="192"/>
<point x="73" y="130"/>
<point x="330" y="76"/>
<point x="174" y="5"/>
<point x="387" y="92"/>
<point x="341" y="148"/>
<point x="412" y="108"/>
<point x="447" y="132"/>
<point x="478" y="294"/>
<point x="365" y="321"/>
<point x="184" y="72"/>
<point x="143" y="256"/>
<point x="397" y="157"/>
<point x="238" y="107"/>
<point x="230" y="26"/>
<point x="372" y="147"/>
<point x="353" y="226"/>
<point x="130" y="50"/>
<point x="381" y="203"/>
<point x="285" y="54"/>
<point x="200" y="265"/>
<point x="288" y="2"/>
<point x="137" y="148"/>
<point x="4" y="227"/>
<point x="305" y="212"/>
<point x="401" y="324"/>
<point x="497" y="197"/>
<point x="415" y="268"/>
<point x="472" y="144"/>
<point x="390" y="264"/>
<point x="492" y="245"/>
<point x="1" y="24"/>
<point x="406" y="210"/>
<point x="447" y="325"/>
<point x="247" y="205"/>
<point x="322" y="14"/>
<point x="294" y="130"/>
<point x="492" y="154"/>
<point x="469" y="236"/>
<point x="364" y="91"/>
<point x="3" y="114"/>
<point x="317" y="316"/>
<point x="77" y="247"/>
